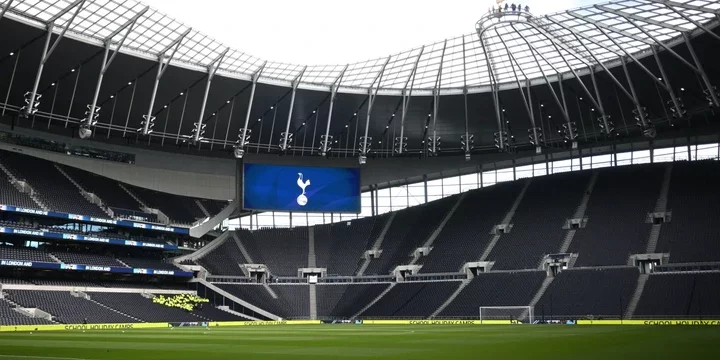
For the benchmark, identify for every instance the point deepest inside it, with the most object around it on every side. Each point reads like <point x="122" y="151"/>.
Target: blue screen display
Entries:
<point x="301" y="188"/>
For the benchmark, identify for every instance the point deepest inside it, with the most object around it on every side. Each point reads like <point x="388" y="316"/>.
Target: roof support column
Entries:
<point x="604" y="120"/>
<point x="92" y="110"/>
<point x="640" y="111"/>
<point x="579" y="35"/>
<point x="563" y="108"/>
<point x="577" y="77"/>
<point x="501" y="135"/>
<point x="570" y="126"/>
<point x="326" y="140"/>
<point x="434" y="141"/>
<point x="527" y="101"/>
<point x="662" y="44"/>
<point x="710" y="91"/>
<point x="163" y="64"/>
<point x="12" y="79"/>
<point x="287" y="136"/>
<point x="72" y="97"/>
<point x="32" y="98"/>
<point x="199" y="130"/>
<point x="244" y="133"/>
<point x="677" y="107"/>
<point x="466" y="141"/>
<point x="596" y="103"/>
<point x="406" y="95"/>
<point x="366" y="141"/>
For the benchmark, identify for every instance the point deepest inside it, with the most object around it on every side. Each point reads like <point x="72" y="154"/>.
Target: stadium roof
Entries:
<point x="509" y="48"/>
<point x="662" y="45"/>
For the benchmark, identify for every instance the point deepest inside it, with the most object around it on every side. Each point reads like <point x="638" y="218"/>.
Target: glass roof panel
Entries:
<point x="528" y="45"/>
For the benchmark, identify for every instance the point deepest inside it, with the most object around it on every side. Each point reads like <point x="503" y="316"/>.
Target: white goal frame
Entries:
<point x="528" y="311"/>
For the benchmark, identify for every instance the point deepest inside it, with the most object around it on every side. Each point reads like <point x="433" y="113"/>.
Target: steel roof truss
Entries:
<point x="710" y="89"/>
<point x="560" y="105"/>
<point x="286" y="136"/>
<point x="372" y="94"/>
<point x="617" y="82"/>
<point x="695" y="22"/>
<point x="577" y="77"/>
<point x="48" y="50"/>
<point x="163" y="65"/>
<point x="526" y="100"/>
<point x="663" y="24"/>
<point x="5" y="9"/>
<point x="92" y="108"/>
<point x="436" y="99"/>
<point x="212" y="70"/>
<point x="609" y="27"/>
<point x="406" y="95"/>
<point x="686" y="6"/>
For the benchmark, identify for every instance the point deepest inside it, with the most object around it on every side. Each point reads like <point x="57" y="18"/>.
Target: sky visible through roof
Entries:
<point x="336" y="31"/>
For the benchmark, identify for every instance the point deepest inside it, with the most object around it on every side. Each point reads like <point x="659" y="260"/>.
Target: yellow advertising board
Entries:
<point x="76" y="327"/>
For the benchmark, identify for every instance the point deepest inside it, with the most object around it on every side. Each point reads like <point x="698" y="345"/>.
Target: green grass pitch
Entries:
<point x="438" y="342"/>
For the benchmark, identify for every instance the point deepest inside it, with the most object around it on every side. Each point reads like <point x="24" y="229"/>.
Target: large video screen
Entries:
<point x="301" y="188"/>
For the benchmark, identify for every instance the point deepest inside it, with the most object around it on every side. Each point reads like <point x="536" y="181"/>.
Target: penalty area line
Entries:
<point x="3" y="356"/>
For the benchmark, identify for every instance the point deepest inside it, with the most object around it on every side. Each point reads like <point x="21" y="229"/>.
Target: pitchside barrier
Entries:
<point x="650" y="322"/>
<point x="132" y="326"/>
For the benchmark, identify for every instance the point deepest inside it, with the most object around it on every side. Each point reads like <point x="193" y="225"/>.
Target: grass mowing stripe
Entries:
<point x="37" y="357"/>
<point x="377" y="342"/>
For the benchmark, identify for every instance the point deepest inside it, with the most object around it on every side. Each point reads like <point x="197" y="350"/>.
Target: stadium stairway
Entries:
<point x="428" y="243"/>
<point x="200" y="253"/>
<point x="231" y="311"/>
<point x="313" y="301"/>
<point x="89" y="298"/>
<point x="25" y="316"/>
<point x="387" y="290"/>
<point x="242" y="248"/>
<point x="541" y="291"/>
<point x="162" y="218"/>
<point x="198" y="230"/>
<point x="237" y="300"/>
<point x="311" y="247"/>
<point x="86" y="194"/>
<point x="579" y="213"/>
<point x="506" y="220"/>
<point x="660" y="206"/>
<point x="376" y="245"/>
<point x="642" y="280"/>
<point x="450" y="299"/>
<point x="270" y="291"/>
<point x="202" y="208"/>
<point x="13" y="179"/>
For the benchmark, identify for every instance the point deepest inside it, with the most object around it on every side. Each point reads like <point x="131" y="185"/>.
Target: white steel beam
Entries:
<point x="5" y="9"/>
<point x="129" y="25"/>
<point x="687" y="6"/>
<point x="652" y="21"/>
<point x="287" y="135"/>
<point x="212" y="70"/>
<point x="406" y="95"/>
<point x="48" y="49"/>
<point x="163" y="64"/>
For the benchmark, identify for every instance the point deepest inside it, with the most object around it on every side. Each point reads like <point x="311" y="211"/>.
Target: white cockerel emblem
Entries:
<point x="302" y="199"/>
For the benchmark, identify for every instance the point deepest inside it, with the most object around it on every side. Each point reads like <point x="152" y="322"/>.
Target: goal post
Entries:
<point x="522" y="314"/>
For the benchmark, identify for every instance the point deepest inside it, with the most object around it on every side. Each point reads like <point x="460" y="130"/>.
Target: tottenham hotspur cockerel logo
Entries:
<point x="302" y="199"/>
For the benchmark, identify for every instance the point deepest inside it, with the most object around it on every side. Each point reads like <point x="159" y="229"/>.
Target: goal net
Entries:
<point x="522" y="314"/>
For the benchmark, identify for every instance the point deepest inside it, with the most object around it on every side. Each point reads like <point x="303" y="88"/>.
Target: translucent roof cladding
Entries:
<point x="516" y="48"/>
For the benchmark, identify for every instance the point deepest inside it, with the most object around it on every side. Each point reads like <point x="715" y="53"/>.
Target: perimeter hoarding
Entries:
<point x="301" y="188"/>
